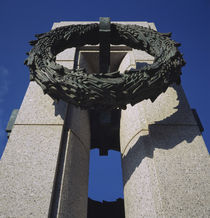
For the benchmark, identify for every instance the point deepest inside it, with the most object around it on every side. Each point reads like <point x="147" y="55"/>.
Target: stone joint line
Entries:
<point x="142" y="130"/>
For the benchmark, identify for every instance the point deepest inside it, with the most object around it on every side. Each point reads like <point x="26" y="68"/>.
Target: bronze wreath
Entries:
<point x="111" y="90"/>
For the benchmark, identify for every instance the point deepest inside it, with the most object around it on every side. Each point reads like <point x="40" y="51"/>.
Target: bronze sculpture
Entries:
<point x="110" y="90"/>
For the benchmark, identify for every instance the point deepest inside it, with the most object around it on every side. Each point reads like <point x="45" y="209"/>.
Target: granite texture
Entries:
<point x="182" y="167"/>
<point x="38" y="108"/>
<point x="74" y="192"/>
<point x="142" y="55"/>
<point x="67" y="64"/>
<point x="71" y="182"/>
<point x="170" y="108"/>
<point x="66" y="55"/>
<point x="30" y="163"/>
<point x="132" y="123"/>
<point x="27" y="171"/>
<point x="166" y="173"/>
<point x="166" y="166"/>
<point x="141" y="193"/>
<point x="134" y="114"/>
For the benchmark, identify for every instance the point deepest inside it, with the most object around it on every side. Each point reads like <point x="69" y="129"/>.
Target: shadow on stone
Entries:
<point x="60" y="108"/>
<point x="139" y="65"/>
<point x="164" y="134"/>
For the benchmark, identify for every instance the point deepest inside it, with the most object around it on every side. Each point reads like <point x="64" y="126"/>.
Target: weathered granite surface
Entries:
<point x="166" y="166"/>
<point x="30" y="163"/>
<point x="40" y="109"/>
<point x="166" y="173"/>
<point x="27" y="170"/>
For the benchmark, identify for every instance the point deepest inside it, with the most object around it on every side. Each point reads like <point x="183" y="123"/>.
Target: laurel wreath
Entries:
<point x="111" y="90"/>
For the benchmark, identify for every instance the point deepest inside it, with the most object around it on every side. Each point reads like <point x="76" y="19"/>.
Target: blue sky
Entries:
<point x="188" y="20"/>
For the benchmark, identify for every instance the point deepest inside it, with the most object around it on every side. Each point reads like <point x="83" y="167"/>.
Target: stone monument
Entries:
<point x="45" y="166"/>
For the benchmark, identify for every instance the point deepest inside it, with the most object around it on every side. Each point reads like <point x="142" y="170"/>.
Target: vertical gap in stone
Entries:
<point x="55" y="197"/>
<point x="105" y="136"/>
<point x="105" y="171"/>
<point x="105" y="186"/>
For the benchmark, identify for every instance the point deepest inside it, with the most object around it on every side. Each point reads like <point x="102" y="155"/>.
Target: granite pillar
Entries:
<point x="28" y="163"/>
<point x="45" y="159"/>
<point x="45" y="166"/>
<point x="70" y="193"/>
<point x="166" y="166"/>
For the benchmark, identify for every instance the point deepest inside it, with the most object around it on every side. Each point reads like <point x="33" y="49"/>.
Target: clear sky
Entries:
<point x="188" y="20"/>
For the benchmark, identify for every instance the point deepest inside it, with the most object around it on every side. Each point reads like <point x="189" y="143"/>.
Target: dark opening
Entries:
<point x="106" y="209"/>
<point x="105" y="130"/>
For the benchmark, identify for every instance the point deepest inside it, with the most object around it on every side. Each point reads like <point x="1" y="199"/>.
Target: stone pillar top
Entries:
<point x="140" y="23"/>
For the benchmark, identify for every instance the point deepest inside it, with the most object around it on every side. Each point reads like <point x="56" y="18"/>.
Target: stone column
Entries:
<point x="166" y="166"/>
<point x="28" y="163"/>
<point x="70" y="195"/>
<point x="45" y="165"/>
<point x="46" y="160"/>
